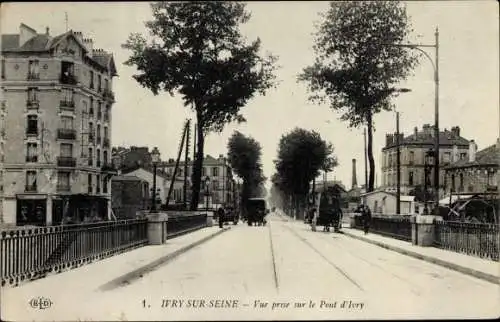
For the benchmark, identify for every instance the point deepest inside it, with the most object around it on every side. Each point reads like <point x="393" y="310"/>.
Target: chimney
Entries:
<point x="456" y="131"/>
<point x="472" y="151"/>
<point x="426" y="129"/>
<point x="454" y="153"/>
<point x="415" y="132"/>
<point x="354" y="180"/>
<point x="47" y="31"/>
<point x="78" y="36"/>
<point x="221" y="156"/>
<point x="389" y="139"/>
<point x="89" y="45"/>
<point x="25" y="33"/>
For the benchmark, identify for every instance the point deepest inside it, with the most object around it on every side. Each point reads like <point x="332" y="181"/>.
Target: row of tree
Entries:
<point x="196" y="49"/>
<point x="301" y="156"/>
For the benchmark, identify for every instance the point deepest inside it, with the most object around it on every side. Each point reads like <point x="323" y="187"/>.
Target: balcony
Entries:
<point x="32" y="158"/>
<point x="105" y="143"/>
<point x="63" y="187"/>
<point x="108" y="94"/>
<point x="66" y="162"/>
<point x="33" y="76"/>
<point x="66" y="134"/>
<point x="32" y="132"/>
<point x="69" y="79"/>
<point x="67" y="104"/>
<point x="33" y="103"/>
<point x="30" y="188"/>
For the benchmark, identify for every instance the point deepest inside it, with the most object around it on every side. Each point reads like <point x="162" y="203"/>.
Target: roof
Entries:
<point x="446" y="137"/>
<point x="159" y="173"/>
<point x="10" y="42"/>
<point x="489" y="156"/>
<point x="319" y="185"/>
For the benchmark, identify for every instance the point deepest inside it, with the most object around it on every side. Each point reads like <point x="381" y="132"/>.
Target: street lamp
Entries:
<point x="435" y="65"/>
<point x="155" y="158"/>
<point x="207" y="192"/>
<point x="398" y="158"/>
<point x="429" y="156"/>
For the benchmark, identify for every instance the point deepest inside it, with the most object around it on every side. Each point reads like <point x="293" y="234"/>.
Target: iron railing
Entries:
<point x="31" y="253"/>
<point x="398" y="227"/>
<point x="179" y="224"/>
<point x="481" y="240"/>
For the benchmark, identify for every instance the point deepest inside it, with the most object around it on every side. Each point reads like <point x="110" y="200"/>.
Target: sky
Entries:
<point x="468" y="63"/>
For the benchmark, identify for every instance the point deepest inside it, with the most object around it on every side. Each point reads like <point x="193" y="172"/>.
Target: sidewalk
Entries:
<point x="116" y="270"/>
<point x="474" y="266"/>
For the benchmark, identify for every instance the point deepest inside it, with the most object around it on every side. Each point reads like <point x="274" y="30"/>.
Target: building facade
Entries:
<point x="129" y="195"/>
<point x="413" y="148"/>
<point x="131" y="158"/>
<point x="56" y="127"/>
<point x="384" y="203"/>
<point x="218" y="170"/>
<point x="478" y="174"/>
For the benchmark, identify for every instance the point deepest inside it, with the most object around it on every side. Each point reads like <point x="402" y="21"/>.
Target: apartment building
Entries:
<point x="452" y="147"/>
<point x="56" y="127"/>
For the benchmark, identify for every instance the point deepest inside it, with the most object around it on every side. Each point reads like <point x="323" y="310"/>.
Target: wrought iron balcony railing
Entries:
<point x="32" y="158"/>
<point x="66" y="162"/>
<point x="69" y="79"/>
<point x="66" y="134"/>
<point x="30" y="188"/>
<point x="33" y="76"/>
<point x="67" y="104"/>
<point x="63" y="187"/>
<point x="33" y="103"/>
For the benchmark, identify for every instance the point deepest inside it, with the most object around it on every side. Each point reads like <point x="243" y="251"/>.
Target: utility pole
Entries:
<point x="366" y="162"/>
<point x="186" y="154"/>
<point x="436" y="125"/>
<point x="398" y="168"/>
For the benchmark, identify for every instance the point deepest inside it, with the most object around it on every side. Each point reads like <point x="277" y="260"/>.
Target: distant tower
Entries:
<point x="354" y="181"/>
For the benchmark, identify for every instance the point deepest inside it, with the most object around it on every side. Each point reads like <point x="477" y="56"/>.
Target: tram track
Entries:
<point x="273" y="258"/>
<point x="320" y="254"/>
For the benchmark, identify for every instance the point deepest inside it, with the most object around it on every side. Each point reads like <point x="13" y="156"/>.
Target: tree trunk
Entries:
<point x="198" y="164"/>
<point x="369" y="148"/>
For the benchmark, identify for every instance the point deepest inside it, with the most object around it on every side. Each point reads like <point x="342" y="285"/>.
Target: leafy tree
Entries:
<point x="301" y="155"/>
<point x="198" y="51"/>
<point x="244" y="154"/>
<point x="421" y="195"/>
<point x="356" y="65"/>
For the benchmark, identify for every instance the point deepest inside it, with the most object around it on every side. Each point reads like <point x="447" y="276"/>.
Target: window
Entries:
<point x="106" y="84"/>
<point x="32" y="94"/>
<point x="89" y="180"/>
<point x="67" y="95"/>
<point x="67" y="69"/>
<point x="215" y="171"/>
<point x="32" y="127"/>
<point x="98" y="83"/>
<point x="412" y="157"/>
<point x="105" y="132"/>
<point x="33" y="69"/>
<point x="98" y="181"/>
<point x="461" y="187"/>
<point x="453" y="182"/>
<point x="215" y="184"/>
<point x="30" y="180"/>
<point x="447" y="157"/>
<point x="105" y="185"/>
<point x="63" y="182"/>
<point x="91" y="110"/>
<point x="98" y="163"/>
<point x="67" y="122"/>
<point x="410" y="178"/>
<point x="99" y="110"/>
<point x="463" y="156"/>
<point x="32" y="152"/>
<point x="105" y="157"/>
<point x="3" y="68"/>
<point x="91" y="79"/>
<point x="203" y="171"/>
<point x="67" y="150"/>
<point x="91" y="156"/>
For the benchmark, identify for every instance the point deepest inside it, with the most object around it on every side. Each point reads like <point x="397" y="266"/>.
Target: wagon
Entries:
<point x="256" y="211"/>
<point x="329" y="214"/>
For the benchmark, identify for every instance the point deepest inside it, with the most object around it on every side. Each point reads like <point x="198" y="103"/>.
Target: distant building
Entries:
<point x="55" y="127"/>
<point x="129" y="194"/>
<point x="477" y="174"/>
<point x="452" y="147"/>
<point x="218" y="170"/>
<point x="384" y="202"/>
<point x="132" y="158"/>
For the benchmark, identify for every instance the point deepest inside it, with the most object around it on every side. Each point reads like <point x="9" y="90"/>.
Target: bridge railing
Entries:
<point x="181" y="223"/>
<point x="28" y="253"/>
<point x="477" y="239"/>
<point x="398" y="227"/>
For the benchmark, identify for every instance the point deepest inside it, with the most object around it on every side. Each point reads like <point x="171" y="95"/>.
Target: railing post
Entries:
<point x="157" y="228"/>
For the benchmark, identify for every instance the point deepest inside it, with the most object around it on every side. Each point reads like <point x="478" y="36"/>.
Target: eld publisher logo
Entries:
<point x="40" y="303"/>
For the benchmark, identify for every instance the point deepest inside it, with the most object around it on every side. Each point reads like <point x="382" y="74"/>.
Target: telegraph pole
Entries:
<point x="366" y="162"/>
<point x="398" y="168"/>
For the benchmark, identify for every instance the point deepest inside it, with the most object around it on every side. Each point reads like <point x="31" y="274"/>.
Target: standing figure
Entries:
<point x="220" y="215"/>
<point x="367" y="217"/>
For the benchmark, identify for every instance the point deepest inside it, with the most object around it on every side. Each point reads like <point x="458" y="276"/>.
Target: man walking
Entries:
<point x="367" y="217"/>
<point x="220" y="215"/>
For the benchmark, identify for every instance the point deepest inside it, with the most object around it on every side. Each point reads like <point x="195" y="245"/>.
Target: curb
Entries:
<point x="459" y="268"/>
<point x="128" y="278"/>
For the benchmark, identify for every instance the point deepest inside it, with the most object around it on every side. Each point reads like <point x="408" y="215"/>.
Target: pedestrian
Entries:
<point x="220" y="215"/>
<point x="367" y="217"/>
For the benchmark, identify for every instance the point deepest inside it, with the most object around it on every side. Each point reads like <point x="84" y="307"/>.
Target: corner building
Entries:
<point x="56" y="101"/>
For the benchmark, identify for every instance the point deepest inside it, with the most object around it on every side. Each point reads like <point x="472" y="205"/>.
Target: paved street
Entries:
<point x="283" y="262"/>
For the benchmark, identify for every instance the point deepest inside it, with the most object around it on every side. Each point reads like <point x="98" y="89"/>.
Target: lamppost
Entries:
<point x="207" y="192"/>
<point x="155" y="158"/>
<point x="429" y="155"/>
<point x="435" y="65"/>
<point x="398" y="158"/>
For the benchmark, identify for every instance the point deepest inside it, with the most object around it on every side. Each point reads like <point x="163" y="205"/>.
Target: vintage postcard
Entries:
<point x="223" y="160"/>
